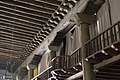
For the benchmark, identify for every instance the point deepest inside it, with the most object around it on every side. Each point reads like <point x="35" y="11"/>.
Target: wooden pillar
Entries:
<point x="84" y="21"/>
<point x="36" y="71"/>
<point x="31" y="71"/>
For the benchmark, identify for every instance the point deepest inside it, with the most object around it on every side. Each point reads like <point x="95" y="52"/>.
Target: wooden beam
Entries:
<point x="17" y="30"/>
<point x="9" y="32"/>
<point x="8" y="55"/>
<point x="21" y="7"/>
<point x="27" y="30"/>
<point x="40" y="4"/>
<point x="15" y="35"/>
<point x="25" y="12"/>
<point x="23" y="15"/>
<point x="9" y="42"/>
<point x="10" y="39"/>
<point x="26" y="21"/>
<point x="14" y="38"/>
<point x="50" y="2"/>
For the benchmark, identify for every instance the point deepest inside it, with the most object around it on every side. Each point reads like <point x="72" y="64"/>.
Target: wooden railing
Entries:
<point x="103" y="40"/>
<point x="75" y="57"/>
<point x="67" y="61"/>
<point x="60" y="62"/>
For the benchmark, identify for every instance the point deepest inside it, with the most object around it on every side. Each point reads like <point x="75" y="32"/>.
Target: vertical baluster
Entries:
<point x="111" y="34"/>
<point x="65" y="59"/>
<point x="119" y="29"/>
<point x="57" y="61"/>
<point x="90" y="48"/>
<point x="60" y="61"/>
<point x="78" y="56"/>
<point x="107" y="38"/>
<point x="74" y="59"/>
<point x="97" y="46"/>
<point x="103" y="40"/>
<point x="115" y="32"/>
<point x="100" y="41"/>
<point x="54" y="62"/>
<point x="70" y="60"/>
<point x="67" y="62"/>
<point x="93" y="46"/>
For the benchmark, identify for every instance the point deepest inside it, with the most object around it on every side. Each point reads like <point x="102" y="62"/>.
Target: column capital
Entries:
<point x="31" y="66"/>
<point x="53" y="47"/>
<point x="80" y="18"/>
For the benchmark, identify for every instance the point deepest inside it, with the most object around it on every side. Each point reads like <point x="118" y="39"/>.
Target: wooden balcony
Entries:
<point x="105" y="45"/>
<point x="67" y="65"/>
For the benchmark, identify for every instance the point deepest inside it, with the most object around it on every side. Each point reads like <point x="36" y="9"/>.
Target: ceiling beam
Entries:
<point x="39" y="4"/>
<point x="19" y="24"/>
<point x="10" y="46"/>
<point x="7" y="55"/>
<point x="10" y="51"/>
<point x="14" y="38"/>
<point x="23" y="15"/>
<point x="21" y="43"/>
<point x="14" y="35"/>
<point x="10" y="28"/>
<point x="22" y="12"/>
<point x="10" y="31"/>
<point x="27" y="30"/>
<point x="17" y="7"/>
<point x="11" y="43"/>
<point x="50" y="2"/>
<point x="22" y="19"/>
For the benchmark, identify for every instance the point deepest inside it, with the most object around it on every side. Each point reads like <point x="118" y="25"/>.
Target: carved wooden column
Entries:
<point x="31" y="71"/>
<point x="84" y="21"/>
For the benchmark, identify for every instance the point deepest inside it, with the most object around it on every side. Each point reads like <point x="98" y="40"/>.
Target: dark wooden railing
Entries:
<point x="103" y="40"/>
<point x="67" y="61"/>
<point x="61" y="62"/>
<point x="75" y="57"/>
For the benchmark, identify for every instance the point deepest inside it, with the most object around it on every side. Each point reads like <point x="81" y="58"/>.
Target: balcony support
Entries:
<point x="83" y="21"/>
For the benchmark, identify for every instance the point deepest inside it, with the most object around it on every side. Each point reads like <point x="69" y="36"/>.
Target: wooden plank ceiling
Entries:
<point x="24" y="24"/>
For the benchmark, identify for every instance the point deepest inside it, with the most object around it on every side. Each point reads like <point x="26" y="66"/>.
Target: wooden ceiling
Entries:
<point x="24" y="24"/>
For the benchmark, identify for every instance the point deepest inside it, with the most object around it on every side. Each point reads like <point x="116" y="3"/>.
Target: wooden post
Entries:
<point x="31" y="71"/>
<point x="88" y="73"/>
<point x="84" y="21"/>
